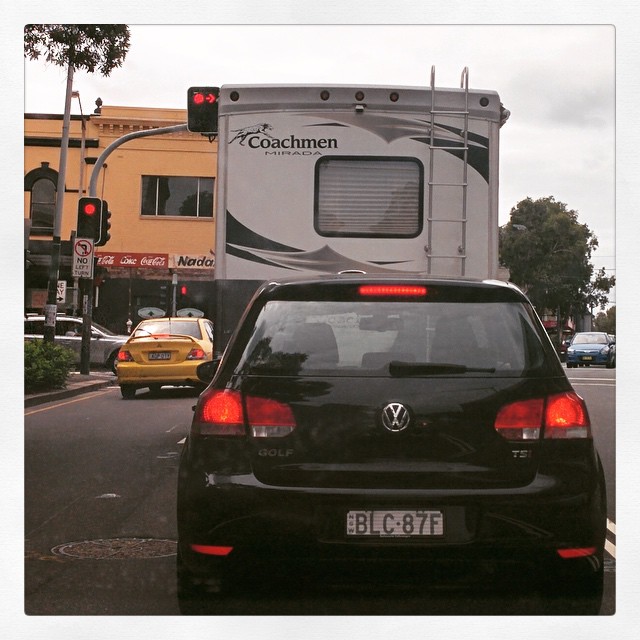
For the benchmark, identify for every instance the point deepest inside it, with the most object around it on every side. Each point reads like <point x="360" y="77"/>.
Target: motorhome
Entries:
<point x="324" y="179"/>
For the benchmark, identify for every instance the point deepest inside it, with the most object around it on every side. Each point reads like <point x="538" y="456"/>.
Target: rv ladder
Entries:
<point x="441" y="216"/>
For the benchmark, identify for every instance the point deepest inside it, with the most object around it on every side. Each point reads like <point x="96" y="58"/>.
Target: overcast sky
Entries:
<point x="557" y="81"/>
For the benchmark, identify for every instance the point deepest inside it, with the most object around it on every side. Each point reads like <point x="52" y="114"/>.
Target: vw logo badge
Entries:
<point x="395" y="417"/>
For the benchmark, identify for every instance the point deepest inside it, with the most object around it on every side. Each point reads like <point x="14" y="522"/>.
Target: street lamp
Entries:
<point x="76" y="94"/>
<point x="50" y="307"/>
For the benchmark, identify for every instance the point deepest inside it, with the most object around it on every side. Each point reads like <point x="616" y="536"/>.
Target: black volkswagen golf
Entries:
<point x="356" y="421"/>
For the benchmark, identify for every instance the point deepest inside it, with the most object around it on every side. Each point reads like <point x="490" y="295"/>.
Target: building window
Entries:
<point x="43" y="207"/>
<point x="177" y="196"/>
<point x="369" y="197"/>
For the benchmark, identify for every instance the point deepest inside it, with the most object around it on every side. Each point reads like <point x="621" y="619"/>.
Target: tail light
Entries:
<point x="563" y="415"/>
<point x="124" y="356"/>
<point x="269" y="418"/>
<point x="567" y="417"/>
<point x="211" y="550"/>
<point x="221" y="412"/>
<point x="580" y="552"/>
<point x="196" y="354"/>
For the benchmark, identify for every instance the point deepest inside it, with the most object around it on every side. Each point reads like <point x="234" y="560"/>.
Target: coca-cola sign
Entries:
<point x="133" y="260"/>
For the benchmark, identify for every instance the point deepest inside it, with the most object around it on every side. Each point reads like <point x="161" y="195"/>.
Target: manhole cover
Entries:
<point x="117" y="549"/>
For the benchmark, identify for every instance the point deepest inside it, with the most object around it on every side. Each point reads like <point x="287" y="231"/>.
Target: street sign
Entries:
<point x="83" y="258"/>
<point x="61" y="292"/>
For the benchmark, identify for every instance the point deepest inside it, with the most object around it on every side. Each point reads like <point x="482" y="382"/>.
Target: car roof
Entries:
<point x="351" y="277"/>
<point x="172" y="319"/>
<point x="59" y="316"/>
<point x="347" y="279"/>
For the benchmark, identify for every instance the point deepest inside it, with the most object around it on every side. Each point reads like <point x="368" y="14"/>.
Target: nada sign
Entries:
<point x="83" y="258"/>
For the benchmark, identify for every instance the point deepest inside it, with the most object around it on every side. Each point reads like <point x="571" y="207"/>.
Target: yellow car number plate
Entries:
<point x="160" y="355"/>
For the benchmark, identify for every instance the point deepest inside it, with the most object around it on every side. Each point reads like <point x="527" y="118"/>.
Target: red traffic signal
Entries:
<point x="202" y="109"/>
<point x="89" y="209"/>
<point x="89" y="214"/>
<point x="201" y="97"/>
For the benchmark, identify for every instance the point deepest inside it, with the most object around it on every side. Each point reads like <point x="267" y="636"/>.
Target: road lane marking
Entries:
<point x="609" y="546"/>
<point x="55" y="405"/>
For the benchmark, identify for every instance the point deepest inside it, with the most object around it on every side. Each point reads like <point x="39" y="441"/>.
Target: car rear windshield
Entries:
<point x="168" y="327"/>
<point x="357" y="338"/>
<point x="590" y="338"/>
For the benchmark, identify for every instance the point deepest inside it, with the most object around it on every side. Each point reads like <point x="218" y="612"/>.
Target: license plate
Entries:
<point x="160" y="355"/>
<point x="587" y="358"/>
<point x="395" y="524"/>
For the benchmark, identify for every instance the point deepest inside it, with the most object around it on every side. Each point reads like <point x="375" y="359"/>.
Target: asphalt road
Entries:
<point x="100" y="529"/>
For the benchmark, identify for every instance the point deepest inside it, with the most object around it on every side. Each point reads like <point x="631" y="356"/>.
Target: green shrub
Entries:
<point x="46" y="366"/>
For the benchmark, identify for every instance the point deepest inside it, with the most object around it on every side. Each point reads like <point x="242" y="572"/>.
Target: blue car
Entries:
<point x="593" y="347"/>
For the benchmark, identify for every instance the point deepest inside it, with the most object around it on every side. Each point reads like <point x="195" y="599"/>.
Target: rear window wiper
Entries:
<point x="399" y="369"/>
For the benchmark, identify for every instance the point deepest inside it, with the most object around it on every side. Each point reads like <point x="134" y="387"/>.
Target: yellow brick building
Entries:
<point x="160" y="190"/>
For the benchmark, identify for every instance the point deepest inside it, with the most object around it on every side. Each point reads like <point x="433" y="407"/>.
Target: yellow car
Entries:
<point x="164" y="351"/>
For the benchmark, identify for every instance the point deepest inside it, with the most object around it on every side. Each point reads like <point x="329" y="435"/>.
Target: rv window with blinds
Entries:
<point x="369" y="197"/>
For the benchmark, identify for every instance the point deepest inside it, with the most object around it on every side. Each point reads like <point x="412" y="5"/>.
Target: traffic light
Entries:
<point x="164" y="300"/>
<point x="182" y="297"/>
<point x="89" y="213"/>
<point x="202" y="109"/>
<point x="105" y="225"/>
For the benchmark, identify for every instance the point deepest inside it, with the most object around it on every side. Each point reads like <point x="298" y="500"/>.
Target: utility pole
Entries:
<point x="51" y="307"/>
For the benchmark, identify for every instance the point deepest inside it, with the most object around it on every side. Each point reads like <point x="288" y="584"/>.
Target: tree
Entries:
<point x="83" y="46"/>
<point x="548" y="253"/>
<point x="606" y="321"/>
<point x="74" y="46"/>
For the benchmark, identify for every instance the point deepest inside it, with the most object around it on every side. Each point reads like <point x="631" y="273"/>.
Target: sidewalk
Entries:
<point x="77" y="383"/>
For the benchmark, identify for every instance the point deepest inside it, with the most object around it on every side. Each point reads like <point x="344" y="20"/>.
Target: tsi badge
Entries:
<point x="395" y="417"/>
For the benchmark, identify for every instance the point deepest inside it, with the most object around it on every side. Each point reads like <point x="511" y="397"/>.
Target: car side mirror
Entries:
<point x="207" y="370"/>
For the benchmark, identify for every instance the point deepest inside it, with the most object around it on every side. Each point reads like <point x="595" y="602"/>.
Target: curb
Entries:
<point x="60" y="394"/>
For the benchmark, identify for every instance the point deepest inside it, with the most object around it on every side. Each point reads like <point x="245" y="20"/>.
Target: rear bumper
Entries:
<point x="283" y="526"/>
<point x="131" y="373"/>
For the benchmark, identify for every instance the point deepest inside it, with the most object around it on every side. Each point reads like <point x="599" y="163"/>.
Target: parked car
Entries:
<point x="411" y="423"/>
<point x="104" y="344"/>
<point x="562" y="348"/>
<point x="164" y="351"/>
<point x="592" y="347"/>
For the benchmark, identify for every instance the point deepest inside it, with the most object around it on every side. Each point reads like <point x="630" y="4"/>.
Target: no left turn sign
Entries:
<point x="83" y="258"/>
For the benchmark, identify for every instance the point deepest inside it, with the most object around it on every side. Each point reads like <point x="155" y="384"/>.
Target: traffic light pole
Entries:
<point x="97" y="167"/>
<point x="86" y="297"/>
